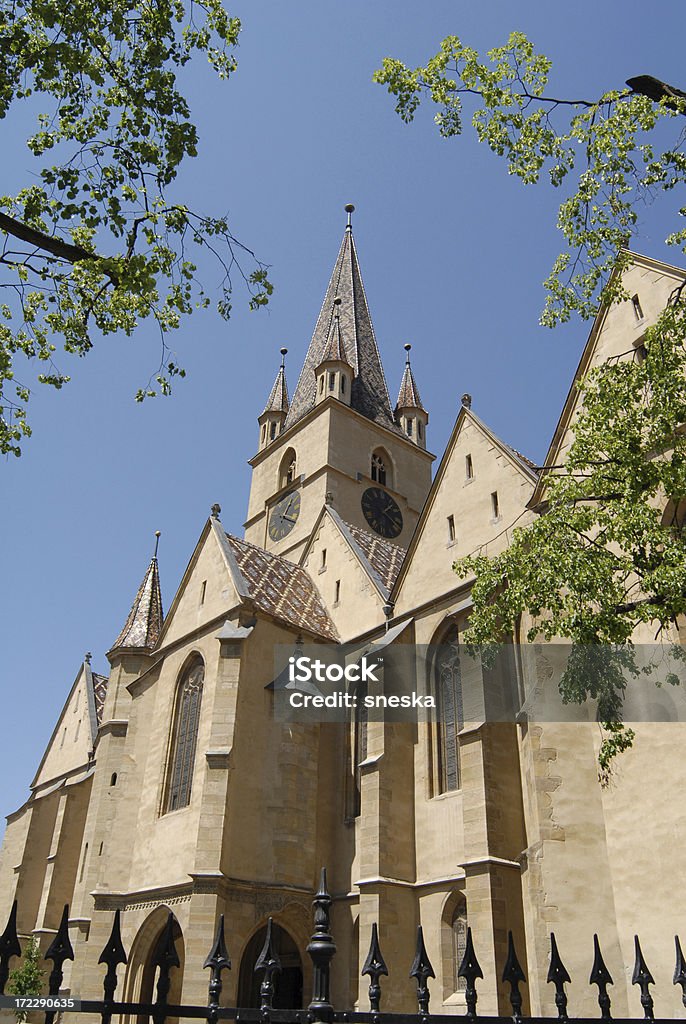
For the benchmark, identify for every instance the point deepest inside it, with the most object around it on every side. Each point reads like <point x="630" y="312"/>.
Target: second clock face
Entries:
<point x="284" y="516"/>
<point x="382" y="512"/>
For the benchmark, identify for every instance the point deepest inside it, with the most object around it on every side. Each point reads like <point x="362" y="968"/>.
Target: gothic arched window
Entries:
<point x="288" y="468"/>
<point x="184" y="737"/>
<point x="447" y="686"/>
<point x="380" y="469"/>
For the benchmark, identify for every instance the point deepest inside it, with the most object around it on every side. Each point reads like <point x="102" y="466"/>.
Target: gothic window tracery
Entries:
<point x="459" y="942"/>
<point x="185" y="736"/>
<point x="288" y="468"/>
<point x="448" y="689"/>
<point x="380" y="468"/>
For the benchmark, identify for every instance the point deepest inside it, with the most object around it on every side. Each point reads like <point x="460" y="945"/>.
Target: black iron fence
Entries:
<point x="321" y="950"/>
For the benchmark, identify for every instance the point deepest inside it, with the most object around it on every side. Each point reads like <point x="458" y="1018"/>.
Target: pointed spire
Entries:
<point x="144" y="624"/>
<point x="408" y="395"/>
<point x="278" y="396"/>
<point x="334" y="351"/>
<point x="369" y="391"/>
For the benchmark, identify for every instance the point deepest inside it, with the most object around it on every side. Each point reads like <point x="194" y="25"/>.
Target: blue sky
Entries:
<point x="453" y="253"/>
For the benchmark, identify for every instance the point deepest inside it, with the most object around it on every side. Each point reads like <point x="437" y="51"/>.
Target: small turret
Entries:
<point x="275" y="411"/>
<point x="334" y="373"/>
<point x="144" y="623"/>
<point x="410" y="414"/>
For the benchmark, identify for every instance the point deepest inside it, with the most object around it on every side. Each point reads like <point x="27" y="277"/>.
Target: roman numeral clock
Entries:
<point x="284" y="516"/>
<point x="382" y="512"/>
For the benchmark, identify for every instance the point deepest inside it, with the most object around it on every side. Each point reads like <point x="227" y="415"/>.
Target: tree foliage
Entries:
<point x="99" y="240"/>
<point x="27" y="980"/>
<point x="606" y="553"/>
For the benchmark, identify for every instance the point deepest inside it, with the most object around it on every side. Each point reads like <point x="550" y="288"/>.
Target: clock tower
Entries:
<point x="339" y="441"/>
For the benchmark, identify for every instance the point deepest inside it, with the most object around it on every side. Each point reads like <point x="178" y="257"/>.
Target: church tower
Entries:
<point x="338" y="442"/>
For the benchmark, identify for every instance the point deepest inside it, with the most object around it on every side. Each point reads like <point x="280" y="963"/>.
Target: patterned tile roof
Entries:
<point x="278" y="396"/>
<point x="385" y="558"/>
<point x="408" y="395"/>
<point x="334" y="349"/>
<point x="369" y="393"/>
<point x="99" y="693"/>
<point x="282" y="589"/>
<point x="144" y="624"/>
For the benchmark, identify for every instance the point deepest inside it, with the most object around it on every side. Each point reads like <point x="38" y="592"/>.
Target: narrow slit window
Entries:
<point x="185" y="735"/>
<point x="272" y="432"/>
<point x="409" y="426"/>
<point x="321" y="385"/>
<point x="342" y="383"/>
<point x="636" y="303"/>
<point x="83" y="862"/>
<point x="203" y="590"/>
<point x="332" y="381"/>
<point x="419" y="429"/>
<point x="337" y="592"/>
<point x="323" y="565"/>
<point x="469" y="467"/>
<point x="451" y="528"/>
<point x="495" y="505"/>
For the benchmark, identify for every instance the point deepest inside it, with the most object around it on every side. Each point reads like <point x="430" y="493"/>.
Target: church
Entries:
<point x="170" y="784"/>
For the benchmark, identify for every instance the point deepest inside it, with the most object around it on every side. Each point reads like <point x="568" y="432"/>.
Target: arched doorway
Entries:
<point x="141" y="972"/>
<point x="288" y="984"/>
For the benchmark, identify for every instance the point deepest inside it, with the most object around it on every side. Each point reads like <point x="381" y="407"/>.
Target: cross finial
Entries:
<point x="467" y="400"/>
<point x="284" y="353"/>
<point x="215" y="510"/>
<point x="87" y="657"/>
<point x="349" y="209"/>
<point x="157" y="542"/>
<point x="407" y="350"/>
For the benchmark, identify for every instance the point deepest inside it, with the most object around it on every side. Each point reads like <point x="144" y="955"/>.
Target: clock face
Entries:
<point x="382" y="512"/>
<point x="284" y="516"/>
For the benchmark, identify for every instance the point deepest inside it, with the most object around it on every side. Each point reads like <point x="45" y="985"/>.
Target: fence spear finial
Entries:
<point x="470" y="970"/>
<point x="374" y="966"/>
<point x="601" y="977"/>
<point x="558" y="975"/>
<point x="422" y="970"/>
<point x="218" y="960"/>
<point x="268" y="961"/>
<point x="113" y="954"/>
<point x="59" y="950"/>
<point x="514" y="976"/>
<point x="643" y="978"/>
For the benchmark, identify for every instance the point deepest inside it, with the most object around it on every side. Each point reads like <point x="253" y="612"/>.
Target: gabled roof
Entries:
<point x="144" y="623"/>
<point x="369" y="393"/>
<point x="523" y="464"/>
<point x="380" y="559"/>
<point x="625" y="258"/>
<point x="281" y="589"/>
<point x="278" y="396"/>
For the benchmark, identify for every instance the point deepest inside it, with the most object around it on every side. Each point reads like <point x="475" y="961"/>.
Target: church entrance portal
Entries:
<point x="288" y="984"/>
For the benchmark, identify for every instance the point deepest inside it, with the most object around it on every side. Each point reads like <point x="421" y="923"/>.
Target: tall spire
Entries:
<point x="144" y="624"/>
<point x="278" y="396"/>
<point x="369" y="395"/>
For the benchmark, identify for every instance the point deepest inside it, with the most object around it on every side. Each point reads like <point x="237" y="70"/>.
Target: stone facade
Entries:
<point x="516" y="835"/>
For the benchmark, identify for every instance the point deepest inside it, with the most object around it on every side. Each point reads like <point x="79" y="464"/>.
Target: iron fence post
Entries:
<point x="322" y="949"/>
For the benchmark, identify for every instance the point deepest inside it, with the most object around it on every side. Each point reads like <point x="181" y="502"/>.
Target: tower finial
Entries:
<point x="407" y="349"/>
<point x="349" y="209"/>
<point x="157" y="542"/>
<point x="284" y="353"/>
